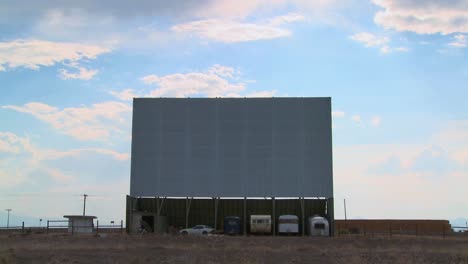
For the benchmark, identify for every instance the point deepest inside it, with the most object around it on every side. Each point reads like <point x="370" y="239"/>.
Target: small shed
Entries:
<point x="82" y="224"/>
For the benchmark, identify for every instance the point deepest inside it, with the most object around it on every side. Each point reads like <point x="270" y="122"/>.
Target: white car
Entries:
<point x="197" y="230"/>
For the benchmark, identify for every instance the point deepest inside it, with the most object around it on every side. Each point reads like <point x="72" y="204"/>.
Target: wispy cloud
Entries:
<point x="217" y="81"/>
<point x="338" y="114"/>
<point x="376" y="121"/>
<point x="97" y="122"/>
<point x="459" y="41"/>
<point x="25" y="159"/>
<point x="228" y="31"/>
<point x="423" y="17"/>
<point x="356" y="118"/>
<point x="81" y="73"/>
<point x="373" y="41"/>
<point x="125" y="95"/>
<point x="428" y="168"/>
<point x="33" y="54"/>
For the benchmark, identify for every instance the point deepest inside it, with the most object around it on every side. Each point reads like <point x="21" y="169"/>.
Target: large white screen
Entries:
<point x="232" y="147"/>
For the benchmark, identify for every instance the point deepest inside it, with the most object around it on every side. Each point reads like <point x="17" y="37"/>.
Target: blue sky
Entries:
<point x="397" y="72"/>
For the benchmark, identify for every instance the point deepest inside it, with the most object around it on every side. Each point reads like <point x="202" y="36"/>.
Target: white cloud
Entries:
<point x="245" y="8"/>
<point x="125" y="95"/>
<point x="423" y="17"/>
<point x="370" y="40"/>
<point x="23" y="159"/>
<point x="401" y="49"/>
<point x="262" y="94"/>
<point x="381" y="42"/>
<point x="223" y="71"/>
<point x="217" y="81"/>
<point x="82" y="74"/>
<point x="356" y="118"/>
<point x="338" y="114"/>
<point x="97" y="122"/>
<point x="376" y="121"/>
<point x="286" y="19"/>
<point x="10" y="178"/>
<point x="228" y="31"/>
<point x="459" y="41"/>
<point x="12" y="144"/>
<point x="51" y="154"/>
<point x="433" y="167"/>
<point x="33" y="54"/>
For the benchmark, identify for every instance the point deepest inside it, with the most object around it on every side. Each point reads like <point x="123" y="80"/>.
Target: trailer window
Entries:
<point x="319" y="226"/>
<point x="261" y="221"/>
<point x="288" y="221"/>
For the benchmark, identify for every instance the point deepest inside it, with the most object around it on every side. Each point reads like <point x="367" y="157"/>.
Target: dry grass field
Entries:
<point x="120" y="248"/>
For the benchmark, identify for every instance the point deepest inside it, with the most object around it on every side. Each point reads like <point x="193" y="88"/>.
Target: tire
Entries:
<point x="184" y="233"/>
<point x="204" y="233"/>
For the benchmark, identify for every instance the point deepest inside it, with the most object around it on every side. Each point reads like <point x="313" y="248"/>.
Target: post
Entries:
<point x="273" y="220"/>
<point x="97" y="227"/>
<point x="245" y="216"/>
<point x="72" y="227"/>
<point x="47" y="230"/>
<point x="345" y="218"/>
<point x="84" y="204"/>
<point x="156" y="224"/>
<point x="216" y="200"/>
<point x="301" y="200"/>
<point x="8" y="217"/>
<point x="22" y="227"/>
<point x="187" y="210"/>
<point x="121" y="226"/>
<point x="331" y="215"/>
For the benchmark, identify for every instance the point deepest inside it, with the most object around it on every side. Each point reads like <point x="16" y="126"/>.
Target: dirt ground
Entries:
<point x="121" y="248"/>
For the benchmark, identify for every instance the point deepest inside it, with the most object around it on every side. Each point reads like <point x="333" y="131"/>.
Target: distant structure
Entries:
<point x="80" y="224"/>
<point x="393" y="226"/>
<point x="198" y="160"/>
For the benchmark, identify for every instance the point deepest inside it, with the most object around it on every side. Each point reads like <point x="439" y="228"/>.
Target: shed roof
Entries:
<point x="80" y="216"/>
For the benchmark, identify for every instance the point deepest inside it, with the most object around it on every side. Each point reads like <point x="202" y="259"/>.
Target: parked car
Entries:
<point x="197" y="230"/>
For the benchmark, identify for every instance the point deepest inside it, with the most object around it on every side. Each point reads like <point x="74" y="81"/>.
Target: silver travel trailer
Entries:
<point x="318" y="226"/>
<point x="288" y="224"/>
<point x="260" y="224"/>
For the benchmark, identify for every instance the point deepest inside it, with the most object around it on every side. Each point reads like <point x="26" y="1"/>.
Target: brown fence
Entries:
<point x="61" y="226"/>
<point x="393" y="227"/>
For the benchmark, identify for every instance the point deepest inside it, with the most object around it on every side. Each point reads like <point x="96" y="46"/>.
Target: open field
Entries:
<point x="122" y="248"/>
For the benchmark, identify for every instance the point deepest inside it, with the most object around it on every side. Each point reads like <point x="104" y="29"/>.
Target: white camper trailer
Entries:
<point x="260" y="224"/>
<point x="318" y="226"/>
<point x="288" y="224"/>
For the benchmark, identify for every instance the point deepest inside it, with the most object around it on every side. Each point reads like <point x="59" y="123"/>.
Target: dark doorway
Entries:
<point x="147" y="223"/>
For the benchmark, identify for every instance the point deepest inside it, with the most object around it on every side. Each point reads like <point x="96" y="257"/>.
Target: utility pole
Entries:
<point x="8" y="217"/>
<point x="84" y="204"/>
<point x="345" y="218"/>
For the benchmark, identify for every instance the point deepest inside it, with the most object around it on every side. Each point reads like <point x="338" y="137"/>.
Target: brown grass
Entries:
<point x="117" y="248"/>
